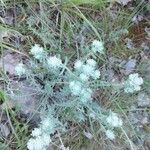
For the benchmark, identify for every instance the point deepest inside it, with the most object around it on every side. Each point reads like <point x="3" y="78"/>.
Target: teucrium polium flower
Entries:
<point x="37" y="51"/>
<point x="20" y="69"/>
<point x="83" y="77"/>
<point x="91" y="62"/>
<point x="133" y="83"/>
<point x="75" y="87"/>
<point x="88" y="70"/>
<point x="39" y="142"/>
<point x="36" y="132"/>
<point x="41" y="136"/>
<point x="54" y="62"/>
<point x="98" y="46"/>
<point x="78" y="64"/>
<point x="113" y="120"/>
<point x="85" y="71"/>
<point x="96" y="74"/>
<point x="110" y="134"/>
<point x="85" y="95"/>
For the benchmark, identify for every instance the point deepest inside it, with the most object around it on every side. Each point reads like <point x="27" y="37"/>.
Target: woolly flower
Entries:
<point x="91" y="62"/>
<point x="78" y="64"/>
<point x="85" y="94"/>
<point x="20" y="69"/>
<point x="75" y="87"/>
<point x="37" y="51"/>
<point x="39" y="143"/>
<point x="88" y="70"/>
<point x="48" y="125"/>
<point x="54" y="62"/>
<point x="36" y="132"/>
<point x="113" y="120"/>
<point x="133" y="83"/>
<point x="83" y="77"/>
<point x="110" y="134"/>
<point x="98" y="46"/>
<point x="96" y="74"/>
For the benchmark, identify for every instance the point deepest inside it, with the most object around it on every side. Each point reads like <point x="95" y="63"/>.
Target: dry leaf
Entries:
<point x="122" y="2"/>
<point x="9" y="61"/>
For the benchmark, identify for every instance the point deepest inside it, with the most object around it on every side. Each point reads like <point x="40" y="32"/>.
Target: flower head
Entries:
<point x="36" y="132"/>
<point x="20" y="69"/>
<point x="88" y="69"/>
<point x="98" y="46"/>
<point x="133" y="83"/>
<point x="78" y="64"/>
<point x="96" y="74"/>
<point x="86" y="95"/>
<point x="75" y="87"/>
<point x="91" y="62"/>
<point x="83" y="77"/>
<point x="37" y="51"/>
<point x="54" y="62"/>
<point x="113" y="120"/>
<point x="39" y="143"/>
<point x="110" y="134"/>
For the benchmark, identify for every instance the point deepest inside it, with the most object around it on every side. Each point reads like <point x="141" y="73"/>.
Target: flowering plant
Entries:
<point x="69" y="94"/>
<point x="133" y="83"/>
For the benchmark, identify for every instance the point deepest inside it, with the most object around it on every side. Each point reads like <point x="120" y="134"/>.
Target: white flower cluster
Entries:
<point x="77" y="88"/>
<point x="110" y="134"/>
<point x="113" y="120"/>
<point x="37" y="51"/>
<point x="20" y="69"/>
<point x="133" y="83"/>
<point x="54" y="62"/>
<point x="39" y="142"/>
<point x="98" y="46"/>
<point x="41" y="136"/>
<point x="85" y="71"/>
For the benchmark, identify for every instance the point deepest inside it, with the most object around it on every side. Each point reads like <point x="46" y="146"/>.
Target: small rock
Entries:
<point x="4" y="130"/>
<point x="123" y="2"/>
<point x="137" y="18"/>
<point x="8" y="20"/>
<point x="143" y="100"/>
<point x="130" y="66"/>
<point x="88" y="135"/>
